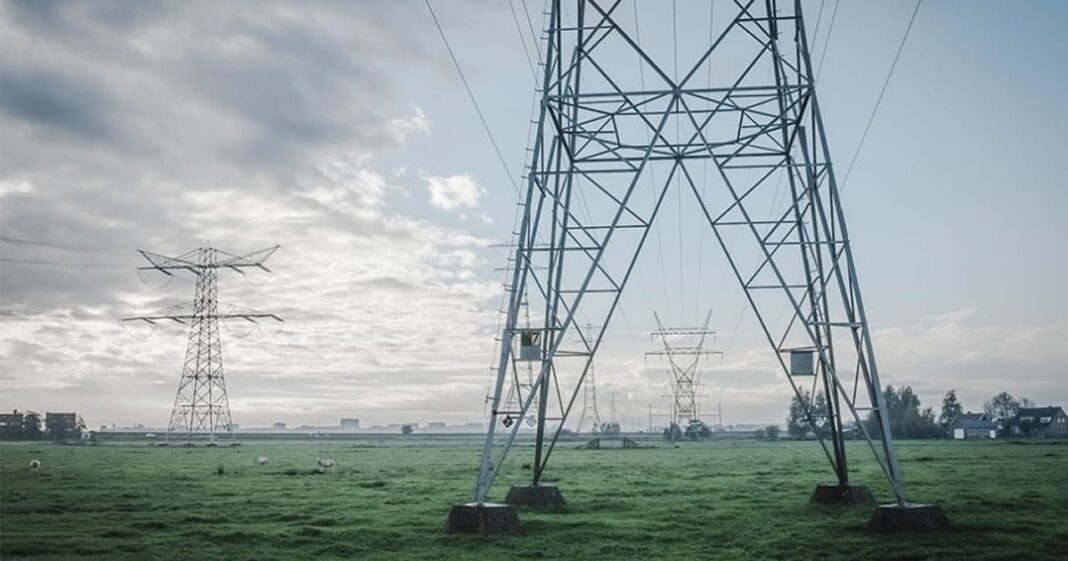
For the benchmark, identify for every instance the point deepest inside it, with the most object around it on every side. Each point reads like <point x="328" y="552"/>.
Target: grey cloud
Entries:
<point x="57" y="101"/>
<point x="114" y="111"/>
<point x="386" y="283"/>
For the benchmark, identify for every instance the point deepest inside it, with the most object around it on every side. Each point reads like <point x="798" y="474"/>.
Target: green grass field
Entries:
<point x="723" y="500"/>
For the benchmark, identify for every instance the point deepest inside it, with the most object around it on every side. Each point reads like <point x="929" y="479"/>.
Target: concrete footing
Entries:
<point x="536" y="496"/>
<point x="835" y="494"/>
<point x="910" y="517"/>
<point x="484" y="519"/>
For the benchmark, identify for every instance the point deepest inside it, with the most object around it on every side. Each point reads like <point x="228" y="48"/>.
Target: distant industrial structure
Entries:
<point x="350" y="424"/>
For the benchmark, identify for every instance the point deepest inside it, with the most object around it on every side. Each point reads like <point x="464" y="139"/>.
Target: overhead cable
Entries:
<point x="471" y="95"/>
<point x="879" y="100"/>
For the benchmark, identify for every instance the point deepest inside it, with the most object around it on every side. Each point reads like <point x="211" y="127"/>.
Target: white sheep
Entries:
<point x="263" y="460"/>
<point x="35" y="464"/>
<point x="324" y="463"/>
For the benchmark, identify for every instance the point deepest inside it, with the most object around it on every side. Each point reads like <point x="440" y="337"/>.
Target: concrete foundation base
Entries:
<point x="483" y="519"/>
<point x="911" y="517"/>
<point x="536" y="496"/>
<point x="835" y="494"/>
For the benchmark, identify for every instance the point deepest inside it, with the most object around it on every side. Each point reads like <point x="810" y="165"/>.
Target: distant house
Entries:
<point x="11" y="424"/>
<point x="1041" y="421"/>
<point x="63" y="426"/>
<point x="972" y="426"/>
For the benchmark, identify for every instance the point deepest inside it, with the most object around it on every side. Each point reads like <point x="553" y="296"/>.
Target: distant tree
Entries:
<point x="31" y="426"/>
<point x="610" y="429"/>
<point x="797" y="422"/>
<point x="698" y="430"/>
<point x="907" y="418"/>
<point x="673" y="432"/>
<point x="760" y="434"/>
<point x="1026" y="403"/>
<point x="950" y="409"/>
<point x="772" y="432"/>
<point x="407" y="429"/>
<point x="1001" y="406"/>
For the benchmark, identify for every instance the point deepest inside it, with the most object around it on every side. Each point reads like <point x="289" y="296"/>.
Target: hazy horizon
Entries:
<point x="342" y="132"/>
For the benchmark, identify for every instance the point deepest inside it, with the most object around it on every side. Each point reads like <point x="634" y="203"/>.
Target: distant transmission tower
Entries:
<point x="681" y="342"/>
<point x="521" y="384"/>
<point x="201" y="407"/>
<point x="589" y="398"/>
<point x="620" y="126"/>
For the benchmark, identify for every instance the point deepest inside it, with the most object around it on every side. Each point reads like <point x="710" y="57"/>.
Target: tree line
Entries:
<point x="908" y="418"/>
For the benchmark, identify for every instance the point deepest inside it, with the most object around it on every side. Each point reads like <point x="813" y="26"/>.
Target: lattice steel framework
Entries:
<point x="682" y="342"/>
<point x="201" y="406"/>
<point x="609" y="147"/>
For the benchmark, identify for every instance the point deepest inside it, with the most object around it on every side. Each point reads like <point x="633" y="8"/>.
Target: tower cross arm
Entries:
<point x="668" y="331"/>
<point x="251" y="259"/>
<point x="183" y="318"/>
<point x="684" y="351"/>
<point x="186" y="311"/>
<point x="165" y="264"/>
<point x="189" y="261"/>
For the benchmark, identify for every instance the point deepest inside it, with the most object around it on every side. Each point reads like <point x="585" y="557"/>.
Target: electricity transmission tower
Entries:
<point x="617" y="130"/>
<point x="589" y="399"/>
<point x="201" y="407"/>
<point x="684" y="374"/>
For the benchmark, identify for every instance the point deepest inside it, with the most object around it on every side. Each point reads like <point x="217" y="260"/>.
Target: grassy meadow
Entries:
<point x="384" y="500"/>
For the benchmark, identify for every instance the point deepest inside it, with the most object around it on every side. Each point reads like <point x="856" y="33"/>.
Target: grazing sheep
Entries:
<point x="324" y="463"/>
<point x="263" y="460"/>
<point x="35" y="464"/>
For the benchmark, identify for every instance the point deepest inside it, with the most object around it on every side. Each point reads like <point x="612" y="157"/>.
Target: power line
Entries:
<point x="704" y="167"/>
<point x="56" y="245"/>
<point x="471" y="95"/>
<point x="827" y="41"/>
<point x="882" y="92"/>
<point x="678" y="191"/>
<point x="652" y="174"/>
<point x="523" y="41"/>
<point x="533" y="35"/>
<point x="60" y="263"/>
<point x="819" y="18"/>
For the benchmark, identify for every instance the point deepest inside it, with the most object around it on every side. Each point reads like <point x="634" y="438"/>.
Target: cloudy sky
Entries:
<point x="342" y="132"/>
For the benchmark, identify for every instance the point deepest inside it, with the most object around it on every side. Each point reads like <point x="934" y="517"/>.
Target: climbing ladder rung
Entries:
<point x="573" y="248"/>
<point x="570" y="228"/>
<point x="754" y="222"/>
<point x="826" y="242"/>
